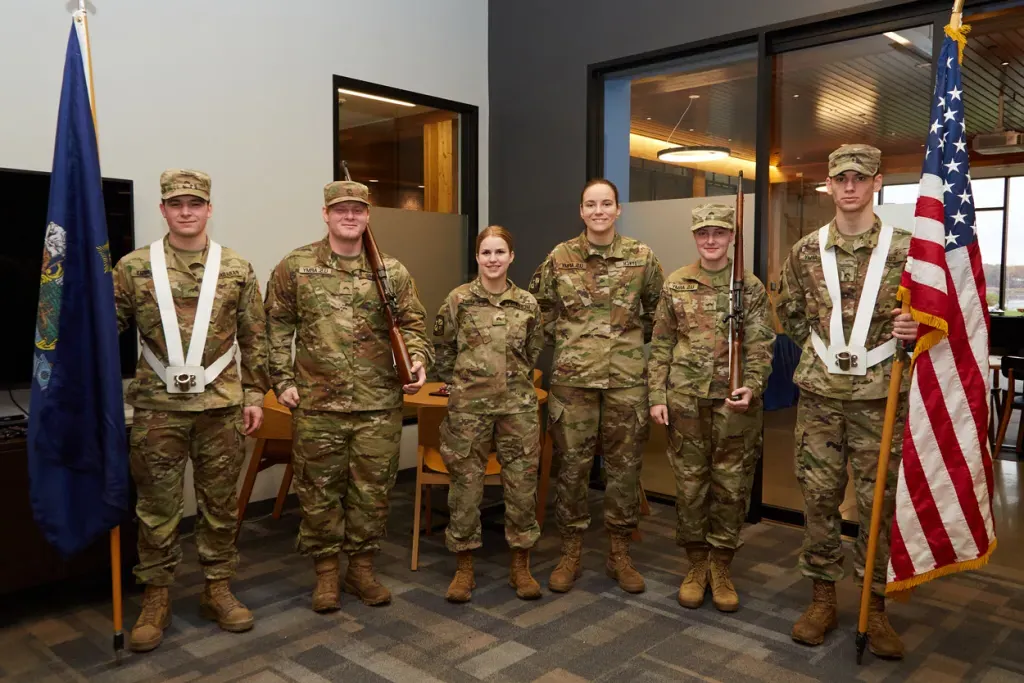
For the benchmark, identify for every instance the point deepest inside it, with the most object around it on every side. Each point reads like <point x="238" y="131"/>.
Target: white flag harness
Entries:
<point x="853" y="358"/>
<point x="186" y="375"/>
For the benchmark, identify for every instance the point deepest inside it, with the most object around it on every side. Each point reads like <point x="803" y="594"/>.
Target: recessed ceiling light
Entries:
<point x="420" y="186"/>
<point x="648" y="118"/>
<point x="821" y="188"/>
<point x="797" y="96"/>
<point x="691" y="130"/>
<point x="694" y="97"/>
<point x="1005" y="64"/>
<point x="372" y="180"/>
<point x="693" y="154"/>
<point x="368" y="96"/>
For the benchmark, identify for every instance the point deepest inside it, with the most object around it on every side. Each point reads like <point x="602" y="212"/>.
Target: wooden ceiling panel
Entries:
<point x="870" y="90"/>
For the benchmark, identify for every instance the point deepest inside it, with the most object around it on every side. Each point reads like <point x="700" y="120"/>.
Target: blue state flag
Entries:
<point x="78" y="455"/>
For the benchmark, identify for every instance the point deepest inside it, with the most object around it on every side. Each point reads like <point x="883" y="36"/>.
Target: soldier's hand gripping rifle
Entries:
<point x="735" y="316"/>
<point x="403" y="363"/>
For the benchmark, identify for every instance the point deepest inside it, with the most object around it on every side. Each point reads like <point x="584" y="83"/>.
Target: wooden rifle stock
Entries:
<point x="736" y="301"/>
<point x="403" y="362"/>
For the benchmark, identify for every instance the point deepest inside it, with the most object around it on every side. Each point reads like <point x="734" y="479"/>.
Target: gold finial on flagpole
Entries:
<point x="957" y="18"/>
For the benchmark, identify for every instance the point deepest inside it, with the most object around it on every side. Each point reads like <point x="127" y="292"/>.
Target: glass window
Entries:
<point x="901" y="194"/>
<point x="406" y="154"/>
<point x="1015" y="246"/>
<point x="988" y="192"/>
<point x="676" y="136"/>
<point x="874" y="90"/>
<point x="990" y="241"/>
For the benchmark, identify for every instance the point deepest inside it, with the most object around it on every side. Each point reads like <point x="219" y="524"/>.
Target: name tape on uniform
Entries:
<point x="314" y="270"/>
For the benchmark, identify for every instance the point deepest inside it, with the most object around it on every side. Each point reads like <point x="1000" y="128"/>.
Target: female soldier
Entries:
<point x="597" y="293"/>
<point x="712" y="435"/>
<point x="487" y="339"/>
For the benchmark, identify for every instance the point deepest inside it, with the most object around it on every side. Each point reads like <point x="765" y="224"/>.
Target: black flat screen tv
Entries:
<point x="24" y="196"/>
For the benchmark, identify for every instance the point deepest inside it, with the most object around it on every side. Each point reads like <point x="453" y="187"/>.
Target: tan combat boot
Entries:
<point x="217" y="603"/>
<point x="569" y="568"/>
<point x="723" y="593"/>
<point x="460" y="589"/>
<point x="820" y="617"/>
<point x="148" y="631"/>
<point x="519" y="576"/>
<point x="326" y="595"/>
<point x="361" y="582"/>
<point x="695" y="585"/>
<point x="883" y="641"/>
<point x="620" y="566"/>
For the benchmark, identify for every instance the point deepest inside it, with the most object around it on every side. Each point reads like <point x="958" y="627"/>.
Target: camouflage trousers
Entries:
<point x="713" y="452"/>
<point x="579" y="418"/>
<point x="466" y="440"/>
<point x="345" y="466"/>
<point x="161" y="444"/>
<point x="829" y="433"/>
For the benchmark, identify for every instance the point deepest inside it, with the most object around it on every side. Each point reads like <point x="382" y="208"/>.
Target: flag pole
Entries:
<point x="82" y="18"/>
<point x="888" y="427"/>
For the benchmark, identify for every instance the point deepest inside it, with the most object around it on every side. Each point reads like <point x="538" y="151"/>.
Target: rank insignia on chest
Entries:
<point x="314" y="270"/>
<point x="710" y="305"/>
<point x="439" y="326"/>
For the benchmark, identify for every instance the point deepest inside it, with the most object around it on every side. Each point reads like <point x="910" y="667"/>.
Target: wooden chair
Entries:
<point x="273" y="447"/>
<point x="1012" y="367"/>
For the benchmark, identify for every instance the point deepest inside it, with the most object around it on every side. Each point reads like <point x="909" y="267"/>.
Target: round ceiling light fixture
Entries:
<point x="693" y="154"/>
<point x="822" y="188"/>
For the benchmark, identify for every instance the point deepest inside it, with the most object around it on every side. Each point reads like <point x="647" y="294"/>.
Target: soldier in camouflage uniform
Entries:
<point x="209" y="426"/>
<point x="843" y="377"/>
<point x="344" y="391"/>
<point x="712" y="439"/>
<point x="597" y="293"/>
<point x="487" y="339"/>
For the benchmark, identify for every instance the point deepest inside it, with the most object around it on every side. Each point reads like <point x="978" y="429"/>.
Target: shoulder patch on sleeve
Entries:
<point x="535" y="283"/>
<point x="438" y="325"/>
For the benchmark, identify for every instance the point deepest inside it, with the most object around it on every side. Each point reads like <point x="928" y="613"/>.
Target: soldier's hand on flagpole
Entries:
<point x="904" y="327"/>
<point x="740" y="406"/>
<point x="252" y="419"/>
<point x="289" y="398"/>
<point x="660" y="414"/>
<point x="421" y="378"/>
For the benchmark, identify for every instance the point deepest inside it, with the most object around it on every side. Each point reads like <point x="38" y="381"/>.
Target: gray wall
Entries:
<point x="539" y="51"/>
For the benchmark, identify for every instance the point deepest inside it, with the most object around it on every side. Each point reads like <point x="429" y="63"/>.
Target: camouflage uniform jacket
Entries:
<point x="486" y="346"/>
<point x="237" y="313"/>
<point x="597" y="307"/>
<point x="804" y="304"/>
<point x="343" y="360"/>
<point x="690" y="346"/>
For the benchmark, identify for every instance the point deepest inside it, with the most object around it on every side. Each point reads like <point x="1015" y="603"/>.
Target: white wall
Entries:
<point x="242" y="90"/>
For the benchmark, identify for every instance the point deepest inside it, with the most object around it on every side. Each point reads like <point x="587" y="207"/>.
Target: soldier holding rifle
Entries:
<point x="711" y="355"/>
<point x="352" y="312"/>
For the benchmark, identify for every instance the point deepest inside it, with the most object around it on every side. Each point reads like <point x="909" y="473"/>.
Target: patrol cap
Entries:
<point x="713" y="216"/>
<point x="346" y="191"/>
<point x="175" y="182"/>
<point x="860" y="158"/>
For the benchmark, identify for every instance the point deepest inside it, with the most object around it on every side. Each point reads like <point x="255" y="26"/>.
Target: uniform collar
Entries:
<point x="866" y="240"/>
<point x="477" y="288"/>
<point x="326" y="256"/>
<point x="695" y="273"/>
<point x="174" y="261"/>
<point x="614" y="250"/>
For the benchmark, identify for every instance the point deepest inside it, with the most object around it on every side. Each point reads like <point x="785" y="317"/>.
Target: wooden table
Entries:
<point x="423" y="400"/>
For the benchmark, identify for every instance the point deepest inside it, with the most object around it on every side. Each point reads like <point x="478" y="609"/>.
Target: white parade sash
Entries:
<point x="185" y="375"/>
<point x="853" y="358"/>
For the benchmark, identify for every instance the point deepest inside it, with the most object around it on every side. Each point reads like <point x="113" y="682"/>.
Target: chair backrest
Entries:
<point x="429" y="426"/>
<point x="1014" y="363"/>
<point x="277" y="420"/>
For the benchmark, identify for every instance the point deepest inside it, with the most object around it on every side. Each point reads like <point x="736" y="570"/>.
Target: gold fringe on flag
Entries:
<point x="900" y="590"/>
<point x="960" y="36"/>
<point x="940" y="331"/>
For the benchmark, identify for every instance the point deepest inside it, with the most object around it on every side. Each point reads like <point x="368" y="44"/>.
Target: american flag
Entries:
<point x="943" y="521"/>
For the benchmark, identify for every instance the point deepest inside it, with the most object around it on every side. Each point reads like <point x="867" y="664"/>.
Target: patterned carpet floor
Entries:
<point x="969" y="627"/>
